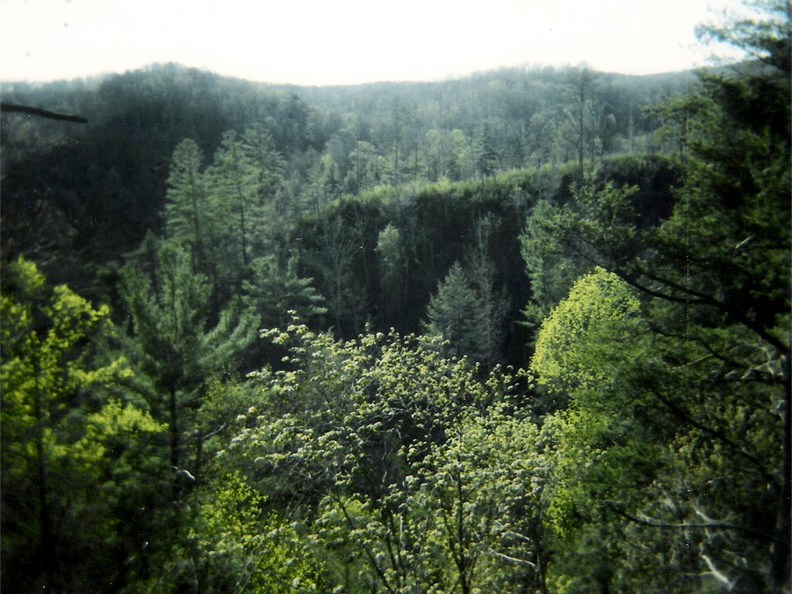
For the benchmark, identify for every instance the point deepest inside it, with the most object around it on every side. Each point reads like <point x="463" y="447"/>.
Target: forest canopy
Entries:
<point x="527" y="331"/>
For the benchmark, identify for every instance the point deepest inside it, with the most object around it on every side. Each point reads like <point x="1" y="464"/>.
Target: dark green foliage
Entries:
<point x="708" y="389"/>
<point x="454" y="314"/>
<point x="647" y="448"/>
<point x="169" y="308"/>
<point x="276" y="291"/>
<point x="104" y="181"/>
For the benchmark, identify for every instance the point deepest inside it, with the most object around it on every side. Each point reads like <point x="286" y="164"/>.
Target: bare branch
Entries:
<point x="717" y="574"/>
<point x="42" y="113"/>
<point x="511" y="559"/>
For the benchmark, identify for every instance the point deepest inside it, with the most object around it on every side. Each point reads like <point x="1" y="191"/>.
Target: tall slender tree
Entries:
<point x="169" y="307"/>
<point x="234" y="181"/>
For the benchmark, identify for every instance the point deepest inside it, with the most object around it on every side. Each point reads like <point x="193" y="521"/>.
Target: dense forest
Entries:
<point x="523" y="331"/>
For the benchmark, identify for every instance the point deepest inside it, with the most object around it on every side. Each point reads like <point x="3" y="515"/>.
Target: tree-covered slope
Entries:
<point x="418" y="347"/>
<point x="95" y="189"/>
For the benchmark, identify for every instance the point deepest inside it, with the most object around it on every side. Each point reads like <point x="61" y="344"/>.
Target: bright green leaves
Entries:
<point x="600" y="451"/>
<point x="234" y="545"/>
<point x="586" y="337"/>
<point x="416" y="479"/>
<point x="111" y="430"/>
<point x="48" y="363"/>
<point x="74" y="453"/>
<point x="483" y="490"/>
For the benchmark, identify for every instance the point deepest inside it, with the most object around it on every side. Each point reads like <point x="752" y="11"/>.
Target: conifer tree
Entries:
<point x="268" y="164"/>
<point x="454" y="313"/>
<point x="192" y="215"/>
<point x="187" y="205"/>
<point x="170" y="310"/>
<point x="275" y="290"/>
<point x="234" y="182"/>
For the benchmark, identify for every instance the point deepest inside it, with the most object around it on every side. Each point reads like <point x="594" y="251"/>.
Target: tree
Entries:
<point x="186" y="206"/>
<point x="259" y="147"/>
<point x="483" y="488"/>
<point x="468" y="310"/>
<point x="579" y="115"/>
<point x="453" y="314"/>
<point x="77" y="454"/>
<point x="169" y="308"/>
<point x="714" y="279"/>
<point x="392" y="266"/>
<point x="276" y="290"/>
<point x="233" y="544"/>
<point x="493" y="303"/>
<point x="362" y="441"/>
<point x="550" y="271"/>
<point x="192" y="216"/>
<point x="334" y="260"/>
<point x="486" y="157"/>
<point x="234" y="181"/>
<point x="322" y="185"/>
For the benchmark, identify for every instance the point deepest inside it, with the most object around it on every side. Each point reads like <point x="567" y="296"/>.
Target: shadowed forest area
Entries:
<point x="525" y="331"/>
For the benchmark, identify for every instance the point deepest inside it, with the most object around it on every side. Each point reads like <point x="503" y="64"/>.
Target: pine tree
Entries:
<point x="234" y="183"/>
<point x="191" y="214"/>
<point x="276" y="290"/>
<point x="170" y="309"/>
<point x="454" y="313"/>
<point x="268" y="164"/>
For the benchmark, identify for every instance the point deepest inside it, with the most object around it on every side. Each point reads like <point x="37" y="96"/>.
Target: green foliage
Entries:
<point x="655" y="454"/>
<point x="571" y="354"/>
<point x="233" y="545"/>
<point x="467" y="312"/>
<point x="697" y="395"/>
<point x="483" y="490"/>
<point x="374" y="438"/>
<point x="275" y="290"/>
<point x="452" y="314"/>
<point x="77" y="460"/>
<point x="169" y="306"/>
<point x="187" y="200"/>
<point x="334" y="261"/>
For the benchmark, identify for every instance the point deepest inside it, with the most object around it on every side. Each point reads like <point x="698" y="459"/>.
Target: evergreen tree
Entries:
<point x="277" y="292"/>
<point x="485" y="154"/>
<point x="454" y="313"/>
<point x="187" y="207"/>
<point x="234" y="182"/>
<point x="192" y="215"/>
<point x="493" y="302"/>
<point x="259" y="148"/>
<point x="170" y="310"/>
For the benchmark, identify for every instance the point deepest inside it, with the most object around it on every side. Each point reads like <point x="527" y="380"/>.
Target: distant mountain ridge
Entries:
<point x="102" y="185"/>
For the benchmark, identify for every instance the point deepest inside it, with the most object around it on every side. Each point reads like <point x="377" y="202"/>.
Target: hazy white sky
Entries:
<point x="347" y="41"/>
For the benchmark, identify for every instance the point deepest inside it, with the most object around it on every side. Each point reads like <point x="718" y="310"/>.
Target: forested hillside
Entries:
<point x="526" y="331"/>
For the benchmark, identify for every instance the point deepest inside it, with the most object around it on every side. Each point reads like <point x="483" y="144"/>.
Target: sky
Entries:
<point x="324" y="42"/>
